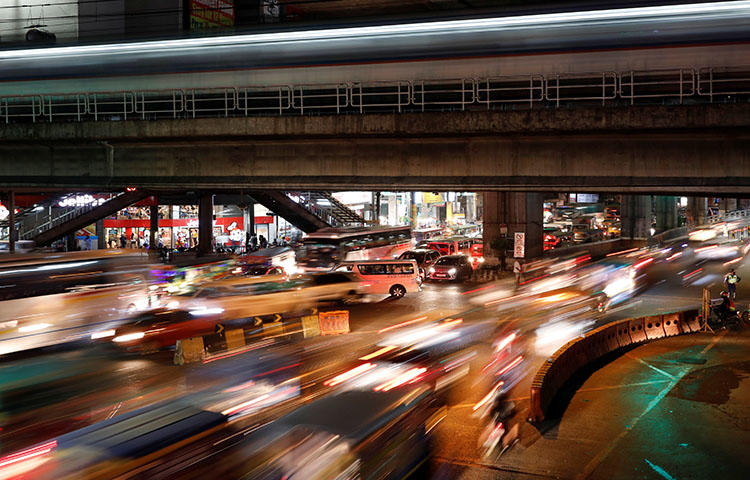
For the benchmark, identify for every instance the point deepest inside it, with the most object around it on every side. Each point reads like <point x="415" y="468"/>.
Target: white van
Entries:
<point x="388" y="277"/>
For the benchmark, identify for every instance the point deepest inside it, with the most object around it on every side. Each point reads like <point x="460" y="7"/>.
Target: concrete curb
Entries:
<point x="584" y="350"/>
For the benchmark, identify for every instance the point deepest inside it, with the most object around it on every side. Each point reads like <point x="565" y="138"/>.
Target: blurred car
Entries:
<point x="333" y="287"/>
<point x="424" y="257"/>
<point x="157" y="329"/>
<point x="260" y="270"/>
<point x="451" y="267"/>
<point x="567" y="213"/>
<point x="612" y="228"/>
<point x="20" y="246"/>
<point x="552" y="238"/>
<point x="477" y="252"/>
<point x="371" y="433"/>
<point x="229" y="301"/>
<point x="583" y="233"/>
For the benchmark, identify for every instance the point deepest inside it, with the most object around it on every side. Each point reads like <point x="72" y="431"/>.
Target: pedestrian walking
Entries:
<point x="731" y="280"/>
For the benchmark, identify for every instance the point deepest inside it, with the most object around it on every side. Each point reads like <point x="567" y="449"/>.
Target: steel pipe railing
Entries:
<point x="555" y="90"/>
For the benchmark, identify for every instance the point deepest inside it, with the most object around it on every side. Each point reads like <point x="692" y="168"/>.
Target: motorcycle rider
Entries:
<point x="726" y="309"/>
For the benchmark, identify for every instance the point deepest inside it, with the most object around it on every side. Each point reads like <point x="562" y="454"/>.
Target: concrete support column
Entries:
<point x="635" y="211"/>
<point x="248" y="218"/>
<point x="101" y="242"/>
<point x="71" y="244"/>
<point x="376" y="208"/>
<point x="731" y="204"/>
<point x="205" y="224"/>
<point x="11" y="222"/>
<point x="666" y="213"/>
<point x="153" y="228"/>
<point x="414" y="210"/>
<point x="507" y="213"/>
<point x="697" y="207"/>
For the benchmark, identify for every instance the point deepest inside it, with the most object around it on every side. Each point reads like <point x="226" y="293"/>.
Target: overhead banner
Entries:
<point x="205" y="14"/>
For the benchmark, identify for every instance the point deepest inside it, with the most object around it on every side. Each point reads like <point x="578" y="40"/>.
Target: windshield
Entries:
<point x="418" y="256"/>
<point x="318" y="252"/>
<point x="450" y="261"/>
<point x="257" y="270"/>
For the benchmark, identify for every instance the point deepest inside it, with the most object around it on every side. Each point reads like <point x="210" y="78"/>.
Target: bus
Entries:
<point x="472" y="230"/>
<point x="53" y="298"/>
<point x="323" y="249"/>
<point x="421" y="234"/>
<point x="451" y="245"/>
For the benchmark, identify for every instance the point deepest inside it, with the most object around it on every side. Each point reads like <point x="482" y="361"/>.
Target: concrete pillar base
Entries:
<point x="635" y="212"/>
<point x="153" y="227"/>
<point x="507" y="213"/>
<point x="101" y="243"/>
<point x="666" y="213"/>
<point x="696" y="211"/>
<point x="206" y="224"/>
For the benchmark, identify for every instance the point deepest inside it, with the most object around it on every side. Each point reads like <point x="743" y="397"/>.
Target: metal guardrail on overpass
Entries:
<point x="728" y="216"/>
<point x="674" y="86"/>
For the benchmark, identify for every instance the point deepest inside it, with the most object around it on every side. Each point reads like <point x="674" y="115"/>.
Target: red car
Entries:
<point x="162" y="328"/>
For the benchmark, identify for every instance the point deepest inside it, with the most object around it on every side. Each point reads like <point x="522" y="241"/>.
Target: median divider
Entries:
<point x="691" y="321"/>
<point x="653" y="327"/>
<point x="228" y="341"/>
<point x="589" y="348"/>
<point x="635" y="326"/>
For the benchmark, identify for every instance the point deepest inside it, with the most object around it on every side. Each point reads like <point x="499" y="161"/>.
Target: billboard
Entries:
<point x="205" y="14"/>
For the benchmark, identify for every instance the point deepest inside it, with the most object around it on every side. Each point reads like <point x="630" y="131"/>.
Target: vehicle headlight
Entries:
<point x="128" y="337"/>
<point x="452" y="271"/>
<point x="102" y="334"/>
<point x="431" y="270"/>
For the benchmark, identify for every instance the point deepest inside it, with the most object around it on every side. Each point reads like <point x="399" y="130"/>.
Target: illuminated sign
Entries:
<point x="211" y="14"/>
<point x="3" y="212"/>
<point x="80" y="201"/>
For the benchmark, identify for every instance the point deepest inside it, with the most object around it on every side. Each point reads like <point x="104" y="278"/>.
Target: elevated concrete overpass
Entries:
<point x="687" y="149"/>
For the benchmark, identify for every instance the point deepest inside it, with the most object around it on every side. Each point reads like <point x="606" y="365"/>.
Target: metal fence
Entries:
<point x="675" y="86"/>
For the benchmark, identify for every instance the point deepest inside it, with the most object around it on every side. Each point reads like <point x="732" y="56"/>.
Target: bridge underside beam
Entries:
<point x="684" y="162"/>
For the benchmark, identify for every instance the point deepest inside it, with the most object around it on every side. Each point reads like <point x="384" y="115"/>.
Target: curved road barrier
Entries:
<point x="582" y="351"/>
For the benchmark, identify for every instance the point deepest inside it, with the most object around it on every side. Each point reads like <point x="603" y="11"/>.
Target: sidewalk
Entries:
<point x="674" y="408"/>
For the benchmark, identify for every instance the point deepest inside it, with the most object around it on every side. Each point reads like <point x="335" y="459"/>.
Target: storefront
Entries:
<point x="177" y="232"/>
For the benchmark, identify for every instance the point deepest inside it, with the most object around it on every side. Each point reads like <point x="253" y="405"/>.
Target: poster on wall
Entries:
<point x="205" y="14"/>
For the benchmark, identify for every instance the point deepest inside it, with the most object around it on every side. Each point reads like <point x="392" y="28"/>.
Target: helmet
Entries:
<point x="724" y="294"/>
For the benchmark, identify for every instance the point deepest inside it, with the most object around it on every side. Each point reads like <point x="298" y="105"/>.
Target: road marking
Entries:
<point x="659" y="470"/>
<point x="713" y="342"/>
<point x="627" y="385"/>
<point x="658" y="370"/>
<point x="599" y="457"/>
